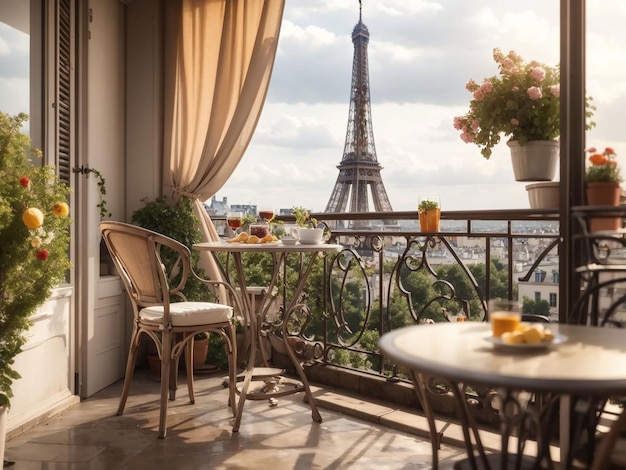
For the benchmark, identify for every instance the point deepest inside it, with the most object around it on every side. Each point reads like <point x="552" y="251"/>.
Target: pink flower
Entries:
<point x="534" y="93"/>
<point x="555" y="90"/>
<point x="458" y="123"/>
<point x="537" y="73"/>
<point x="467" y="138"/>
<point x="479" y="94"/>
<point x="515" y="89"/>
<point x="591" y="150"/>
<point x="514" y="122"/>
<point x="487" y="86"/>
<point x="507" y="64"/>
<point x="475" y="125"/>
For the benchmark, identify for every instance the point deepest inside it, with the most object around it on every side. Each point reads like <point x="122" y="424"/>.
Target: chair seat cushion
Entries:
<point x="189" y="313"/>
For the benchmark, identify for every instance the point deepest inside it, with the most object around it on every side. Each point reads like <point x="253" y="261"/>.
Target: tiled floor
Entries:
<point x="90" y="436"/>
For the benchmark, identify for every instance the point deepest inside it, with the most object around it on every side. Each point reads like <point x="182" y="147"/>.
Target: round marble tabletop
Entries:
<point x="590" y="361"/>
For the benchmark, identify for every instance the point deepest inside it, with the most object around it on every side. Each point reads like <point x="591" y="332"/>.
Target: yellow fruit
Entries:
<point x="533" y="335"/>
<point x="548" y="335"/>
<point x="267" y="239"/>
<point x="252" y="239"/>
<point x="60" y="209"/>
<point x="512" y="337"/>
<point x="243" y="237"/>
<point x="32" y="217"/>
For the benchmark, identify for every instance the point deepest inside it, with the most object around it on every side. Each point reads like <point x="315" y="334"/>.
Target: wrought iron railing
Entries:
<point x="391" y="275"/>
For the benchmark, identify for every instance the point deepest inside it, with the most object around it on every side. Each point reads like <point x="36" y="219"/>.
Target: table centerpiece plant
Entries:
<point x="34" y="240"/>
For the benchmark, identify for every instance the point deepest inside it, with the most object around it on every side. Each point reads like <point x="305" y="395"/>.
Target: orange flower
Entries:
<point x="609" y="151"/>
<point x="598" y="159"/>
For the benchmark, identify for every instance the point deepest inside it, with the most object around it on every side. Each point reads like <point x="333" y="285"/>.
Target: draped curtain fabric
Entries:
<point x="219" y="59"/>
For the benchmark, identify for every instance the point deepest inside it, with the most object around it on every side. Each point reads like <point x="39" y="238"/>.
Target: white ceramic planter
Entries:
<point x="544" y="195"/>
<point x="536" y="160"/>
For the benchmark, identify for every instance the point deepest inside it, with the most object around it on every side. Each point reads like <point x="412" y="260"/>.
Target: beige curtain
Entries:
<point x="219" y="59"/>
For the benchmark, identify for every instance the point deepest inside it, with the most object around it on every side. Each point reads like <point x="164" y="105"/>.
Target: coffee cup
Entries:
<point x="307" y="236"/>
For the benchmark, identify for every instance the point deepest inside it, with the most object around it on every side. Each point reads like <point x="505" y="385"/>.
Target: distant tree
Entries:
<point x="536" y="307"/>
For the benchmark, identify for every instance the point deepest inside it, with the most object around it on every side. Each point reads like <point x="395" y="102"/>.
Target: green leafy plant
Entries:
<point x="303" y="217"/>
<point x="427" y="205"/>
<point x="34" y="241"/>
<point x="522" y="102"/>
<point x="603" y="168"/>
<point x="177" y="221"/>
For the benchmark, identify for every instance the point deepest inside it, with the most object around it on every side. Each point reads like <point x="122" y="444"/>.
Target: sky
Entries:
<point x="421" y="54"/>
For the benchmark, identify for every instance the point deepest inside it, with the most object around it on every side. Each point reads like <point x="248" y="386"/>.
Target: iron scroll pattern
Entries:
<point x="364" y="274"/>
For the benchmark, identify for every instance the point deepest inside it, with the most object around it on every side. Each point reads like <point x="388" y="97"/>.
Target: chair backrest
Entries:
<point x="136" y="252"/>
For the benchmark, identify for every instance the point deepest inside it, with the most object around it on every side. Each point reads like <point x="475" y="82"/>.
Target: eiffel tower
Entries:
<point x="359" y="169"/>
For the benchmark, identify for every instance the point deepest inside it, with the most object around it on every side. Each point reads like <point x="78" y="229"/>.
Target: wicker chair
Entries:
<point x="172" y="325"/>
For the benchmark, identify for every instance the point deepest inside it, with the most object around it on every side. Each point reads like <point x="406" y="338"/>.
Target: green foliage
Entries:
<point x="102" y="205"/>
<point x="427" y="205"/>
<point x="540" y="307"/>
<point x="180" y="223"/>
<point x="303" y="217"/>
<point x="32" y="260"/>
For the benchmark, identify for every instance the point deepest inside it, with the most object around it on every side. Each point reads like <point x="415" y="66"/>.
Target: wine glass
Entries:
<point x="234" y="220"/>
<point x="267" y="213"/>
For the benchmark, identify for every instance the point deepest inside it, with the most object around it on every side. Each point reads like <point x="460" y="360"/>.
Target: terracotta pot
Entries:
<point x="535" y="160"/>
<point x="200" y="351"/>
<point x="604" y="194"/>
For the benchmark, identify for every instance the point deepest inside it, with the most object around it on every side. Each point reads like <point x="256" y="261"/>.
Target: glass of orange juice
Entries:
<point x="504" y="315"/>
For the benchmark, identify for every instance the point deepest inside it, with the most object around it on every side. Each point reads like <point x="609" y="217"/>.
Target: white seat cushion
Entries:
<point x="189" y="313"/>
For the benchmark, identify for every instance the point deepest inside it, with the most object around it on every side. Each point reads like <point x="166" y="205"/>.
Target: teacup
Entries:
<point x="307" y="236"/>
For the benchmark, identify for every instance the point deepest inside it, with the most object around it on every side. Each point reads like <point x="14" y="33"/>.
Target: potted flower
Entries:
<point x="602" y="184"/>
<point x="522" y="102"/>
<point x="307" y="230"/>
<point x="34" y="242"/>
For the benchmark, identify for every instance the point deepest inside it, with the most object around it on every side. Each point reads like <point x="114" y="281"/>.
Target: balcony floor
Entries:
<point x="90" y="436"/>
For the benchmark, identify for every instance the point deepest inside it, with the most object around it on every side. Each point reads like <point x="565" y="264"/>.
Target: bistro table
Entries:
<point x="255" y="317"/>
<point x="591" y="363"/>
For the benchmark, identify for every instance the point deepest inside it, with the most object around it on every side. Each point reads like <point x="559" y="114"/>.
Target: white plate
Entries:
<point x="289" y="241"/>
<point x="498" y="344"/>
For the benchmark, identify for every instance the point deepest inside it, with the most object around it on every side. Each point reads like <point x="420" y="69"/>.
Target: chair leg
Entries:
<point x="189" y="369"/>
<point x="232" y="369"/>
<point x="130" y="369"/>
<point x="166" y="362"/>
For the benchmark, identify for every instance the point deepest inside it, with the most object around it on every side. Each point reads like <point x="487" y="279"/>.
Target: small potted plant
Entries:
<point x="429" y="213"/>
<point x="307" y="230"/>
<point x="602" y="184"/>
